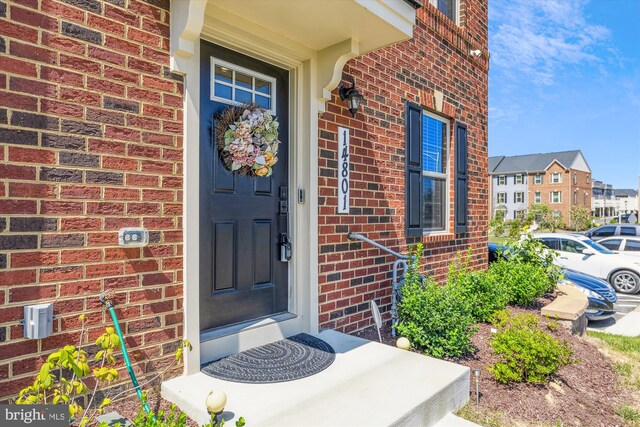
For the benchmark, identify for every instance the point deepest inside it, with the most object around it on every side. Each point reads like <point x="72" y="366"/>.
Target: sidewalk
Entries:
<point x="628" y="326"/>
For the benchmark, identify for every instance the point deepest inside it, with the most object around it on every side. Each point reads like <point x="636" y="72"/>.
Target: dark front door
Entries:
<point x="242" y="218"/>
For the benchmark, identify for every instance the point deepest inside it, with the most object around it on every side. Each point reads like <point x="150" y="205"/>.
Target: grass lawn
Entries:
<point x="627" y="368"/>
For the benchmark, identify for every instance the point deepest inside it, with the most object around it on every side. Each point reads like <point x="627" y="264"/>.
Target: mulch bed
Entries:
<point x="583" y="394"/>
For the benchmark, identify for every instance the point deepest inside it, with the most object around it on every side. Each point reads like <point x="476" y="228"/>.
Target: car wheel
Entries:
<point x="625" y="281"/>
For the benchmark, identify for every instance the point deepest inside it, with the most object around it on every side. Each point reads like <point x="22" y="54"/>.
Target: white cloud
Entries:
<point x="534" y="39"/>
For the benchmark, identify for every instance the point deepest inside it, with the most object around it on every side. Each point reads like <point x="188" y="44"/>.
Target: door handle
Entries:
<point x="285" y="248"/>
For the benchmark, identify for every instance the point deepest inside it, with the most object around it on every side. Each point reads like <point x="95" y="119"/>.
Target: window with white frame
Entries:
<point x="556" y="178"/>
<point x="236" y="85"/>
<point x="502" y="197"/>
<point x="538" y="197"/>
<point x="518" y="179"/>
<point x="587" y="179"/>
<point x="435" y="137"/>
<point x="537" y="179"/>
<point x="448" y="7"/>
<point x="584" y="198"/>
<point x="518" y="197"/>
<point x="555" y="197"/>
<point x="575" y="178"/>
<point x="502" y="180"/>
<point x="518" y="214"/>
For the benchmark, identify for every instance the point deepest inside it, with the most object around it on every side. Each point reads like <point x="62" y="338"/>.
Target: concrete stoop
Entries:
<point x="369" y="384"/>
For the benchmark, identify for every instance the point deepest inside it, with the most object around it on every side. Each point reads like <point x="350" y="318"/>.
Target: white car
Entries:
<point x="580" y="253"/>
<point x="622" y="244"/>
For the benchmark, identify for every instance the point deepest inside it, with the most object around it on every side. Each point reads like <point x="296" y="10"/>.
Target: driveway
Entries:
<point x="626" y="304"/>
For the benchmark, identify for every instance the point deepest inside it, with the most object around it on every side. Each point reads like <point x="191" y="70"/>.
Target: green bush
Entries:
<point x="523" y="282"/>
<point x="483" y="294"/>
<point x="527" y="354"/>
<point x="436" y="319"/>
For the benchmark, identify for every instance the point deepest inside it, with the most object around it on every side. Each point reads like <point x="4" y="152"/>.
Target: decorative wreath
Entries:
<point x="247" y="139"/>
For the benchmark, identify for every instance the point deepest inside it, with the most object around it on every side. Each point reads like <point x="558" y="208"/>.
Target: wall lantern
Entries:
<point x="352" y="96"/>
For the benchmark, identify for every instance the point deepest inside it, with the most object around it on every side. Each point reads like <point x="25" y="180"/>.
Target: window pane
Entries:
<point x="614" y="245"/>
<point x="605" y="231"/>
<point x="627" y="231"/>
<point x="223" y="74"/>
<point x="223" y="91"/>
<point x="242" y="80"/>
<point x="434" y="202"/>
<point x="263" y="87"/>
<point x="263" y="101"/>
<point x="434" y="148"/>
<point x="243" y="96"/>
<point x="632" y="245"/>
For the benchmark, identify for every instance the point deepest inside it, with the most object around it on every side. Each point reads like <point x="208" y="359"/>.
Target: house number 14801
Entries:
<point x="343" y="170"/>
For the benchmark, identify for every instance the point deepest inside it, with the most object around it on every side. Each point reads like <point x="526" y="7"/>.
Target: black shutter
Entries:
<point x="413" y="183"/>
<point x="462" y="179"/>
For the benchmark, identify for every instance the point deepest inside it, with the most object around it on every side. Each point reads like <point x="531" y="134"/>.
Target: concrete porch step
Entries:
<point x="369" y="384"/>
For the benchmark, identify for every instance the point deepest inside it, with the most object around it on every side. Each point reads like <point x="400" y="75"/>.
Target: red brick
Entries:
<point x="143" y="37"/>
<point x="157" y="307"/>
<point x="16" y="66"/>
<point x="65" y="77"/>
<point x="60" y="274"/>
<point x="33" y="259"/>
<point x="117" y="193"/>
<point x="116" y="223"/>
<point x="157" y="83"/>
<point x="33" y="87"/>
<point x="79" y="192"/>
<point x="154" y="166"/>
<point x="80" y="287"/>
<point x="79" y="224"/>
<point x="32" y="293"/>
<point x="19" y="32"/>
<point x="108" y="147"/>
<point x="61" y="208"/>
<point x="159" y="112"/>
<point x="159" y="223"/>
<point x="105" y="86"/>
<point x="122" y="133"/>
<point x="20" y="102"/>
<point x="141" y="266"/>
<point x="64" y="43"/>
<point x="106" y="55"/>
<point x="103" y="270"/>
<point x="97" y="22"/>
<point x="80" y="64"/>
<point x="142" y="180"/>
<point x="29" y="155"/>
<point x="101" y="239"/>
<point x="14" y="349"/>
<point x="18" y="206"/>
<point x="17" y="172"/>
<point x="80" y="96"/>
<point x="121" y="282"/>
<point x="33" y="52"/>
<point x="121" y="75"/>
<point x="80" y="256"/>
<point x="61" y="108"/>
<point x="105" y="208"/>
<point x="17" y="277"/>
<point x="33" y="19"/>
<point x="60" y="9"/>
<point x="19" y="189"/>
<point x="157" y="279"/>
<point x="121" y="15"/>
<point x="145" y="295"/>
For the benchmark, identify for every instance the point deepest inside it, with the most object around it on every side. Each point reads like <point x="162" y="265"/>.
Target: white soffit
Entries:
<point x="318" y="24"/>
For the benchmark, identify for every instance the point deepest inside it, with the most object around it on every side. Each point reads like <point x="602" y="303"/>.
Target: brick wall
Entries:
<point x="90" y="141"/>
<point x="567" y="187"/>
<point x="352" y="273"/>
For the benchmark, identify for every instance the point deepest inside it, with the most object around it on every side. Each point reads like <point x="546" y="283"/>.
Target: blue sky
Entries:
<point x="565" y="75"/>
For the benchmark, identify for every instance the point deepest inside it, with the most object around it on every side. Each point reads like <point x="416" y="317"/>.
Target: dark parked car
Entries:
<point x="609" y="230"/>
<point x="602" y="297"/>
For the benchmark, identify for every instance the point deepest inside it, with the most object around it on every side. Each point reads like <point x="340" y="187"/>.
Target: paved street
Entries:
<point x="626" y="304"/>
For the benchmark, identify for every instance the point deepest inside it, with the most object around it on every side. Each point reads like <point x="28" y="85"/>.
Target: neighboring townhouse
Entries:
<point x="559" y="180"/>
<point x="603" y="203"/>
<point x="626" y="200"/>
<point x="108" y="113"/>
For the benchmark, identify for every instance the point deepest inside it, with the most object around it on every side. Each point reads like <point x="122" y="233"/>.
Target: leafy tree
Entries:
<point x="580" y="218"/>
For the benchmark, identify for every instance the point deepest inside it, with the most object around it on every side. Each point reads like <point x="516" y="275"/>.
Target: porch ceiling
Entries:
<point x="318" y="24"/>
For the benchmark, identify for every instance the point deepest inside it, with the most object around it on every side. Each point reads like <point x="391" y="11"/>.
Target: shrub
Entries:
<point x="482" y="293"/>
<point x="524" y="282"/>
<point x="580" y="218"/>
<point x="526" y="249"/>
<point x="527" y="354"/>
<point x="434" y="318"/>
